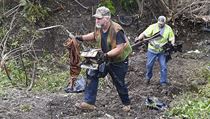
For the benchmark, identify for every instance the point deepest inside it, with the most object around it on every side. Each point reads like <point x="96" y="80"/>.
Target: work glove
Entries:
<point x="103" y="58"/>
<point x="79" y="38"/>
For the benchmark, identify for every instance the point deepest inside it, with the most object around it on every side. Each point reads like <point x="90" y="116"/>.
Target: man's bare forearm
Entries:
<point x="88" y="37"/>
<point x="116" y="51"/>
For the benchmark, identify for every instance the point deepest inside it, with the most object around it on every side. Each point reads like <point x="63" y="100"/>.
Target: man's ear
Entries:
<point x="107" y="18"/>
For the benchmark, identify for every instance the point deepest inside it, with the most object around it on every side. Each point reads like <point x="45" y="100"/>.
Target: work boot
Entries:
<point x="85" y="106"/>
<point x="126" y="108"/>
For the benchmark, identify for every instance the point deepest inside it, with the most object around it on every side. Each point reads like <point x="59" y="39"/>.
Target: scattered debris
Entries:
<point x="155" y="103"/>
<point x="195" y="51"/>
<point x="109" y="116"/>
<point x="79" y="85"/>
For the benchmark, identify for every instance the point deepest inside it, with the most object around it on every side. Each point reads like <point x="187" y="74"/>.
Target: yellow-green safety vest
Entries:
<point x="111" y="42"/>
<point x="167" y="35"/>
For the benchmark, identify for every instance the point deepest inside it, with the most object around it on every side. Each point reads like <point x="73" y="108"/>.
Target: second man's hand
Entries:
<point x="136" y="40"/>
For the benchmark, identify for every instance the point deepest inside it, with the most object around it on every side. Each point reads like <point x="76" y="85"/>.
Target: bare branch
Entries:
<point x="33" y="77"/>
<point x="81" y="5"/>
<point x="4" y="40"/>
<point x="11" y="11"/>
<point x="191" y="8"/>
<point x="166" y="7"/>
<point x="141" y="6"/>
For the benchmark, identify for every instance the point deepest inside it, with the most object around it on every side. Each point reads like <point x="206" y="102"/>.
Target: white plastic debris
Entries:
<point x="194" y="51"/>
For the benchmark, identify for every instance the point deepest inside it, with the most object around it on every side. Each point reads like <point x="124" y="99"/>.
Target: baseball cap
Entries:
<point x="101" y="12"/>
<point x="161" y="19"/>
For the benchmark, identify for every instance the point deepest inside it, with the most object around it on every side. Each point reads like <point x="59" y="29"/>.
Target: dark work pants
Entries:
<point x="117" y="71"/>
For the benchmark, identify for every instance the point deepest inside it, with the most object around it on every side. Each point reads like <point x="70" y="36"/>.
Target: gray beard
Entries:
<point x="98" y="26"/>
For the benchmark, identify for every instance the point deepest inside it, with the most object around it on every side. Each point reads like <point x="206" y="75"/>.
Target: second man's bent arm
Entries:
<point x="140" y="37"/>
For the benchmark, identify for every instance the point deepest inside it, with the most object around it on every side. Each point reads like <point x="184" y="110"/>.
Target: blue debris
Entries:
<point x="78" y="87"/>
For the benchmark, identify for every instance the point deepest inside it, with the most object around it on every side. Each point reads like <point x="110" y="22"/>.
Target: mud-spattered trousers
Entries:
<point x="151" y="58"/>
<point x="117" y="71"/>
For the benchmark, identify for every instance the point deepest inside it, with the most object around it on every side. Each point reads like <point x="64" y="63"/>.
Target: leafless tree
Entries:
<point x="195" y="10"/>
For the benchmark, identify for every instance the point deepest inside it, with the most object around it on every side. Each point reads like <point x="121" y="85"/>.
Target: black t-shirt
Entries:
<point x="119" y="40"/>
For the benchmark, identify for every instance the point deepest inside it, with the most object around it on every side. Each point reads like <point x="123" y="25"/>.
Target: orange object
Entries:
<point x="74" y="56"/>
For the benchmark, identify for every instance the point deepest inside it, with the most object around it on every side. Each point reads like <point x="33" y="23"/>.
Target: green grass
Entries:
<point x="193" y="105"/>
<point x="51" y="81"/>
<point x="4" y="83"/>
<point x="25" y="107"/>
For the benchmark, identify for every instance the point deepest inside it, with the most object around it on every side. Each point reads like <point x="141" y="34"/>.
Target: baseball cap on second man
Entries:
<point x="101" y="12"/>
<point x="161" y="19"/>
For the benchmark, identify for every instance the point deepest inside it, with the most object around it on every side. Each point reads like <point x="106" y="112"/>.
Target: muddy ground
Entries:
<point x="20" y="104"/>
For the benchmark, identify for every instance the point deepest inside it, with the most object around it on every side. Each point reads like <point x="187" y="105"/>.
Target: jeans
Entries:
<point x="117" y="71"/>
<point x="151" y="57"/>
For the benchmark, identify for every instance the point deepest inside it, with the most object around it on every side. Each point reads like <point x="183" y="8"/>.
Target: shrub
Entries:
<point x="109" y="4"/>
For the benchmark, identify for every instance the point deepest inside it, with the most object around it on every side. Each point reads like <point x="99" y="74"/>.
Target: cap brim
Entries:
<point x="97" y="16"/>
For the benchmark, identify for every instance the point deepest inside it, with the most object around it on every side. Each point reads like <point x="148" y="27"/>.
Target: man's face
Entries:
<point x="99" y="22"/>
<point x="161" y="25"/>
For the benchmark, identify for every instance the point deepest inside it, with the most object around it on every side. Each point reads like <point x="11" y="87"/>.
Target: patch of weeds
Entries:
<point x="205" y="73"/>
<point x="4" y="83"/>
<point x="62" y="59"/>
<point x="25" y="107"/>
<point x="34" y="12"/>
<point x="191" y="106"/>
<point x="205" y="91"/>
<point x="109" y="4"/>
<point x="16" y="73"/>
<point x="2" y="93"/>
<point x="50" y="80"/>
<point x="49" y="77"/>
<point x="2" y="32"/>
<point x="128" y="5"/>
<point x="102" y="83"/>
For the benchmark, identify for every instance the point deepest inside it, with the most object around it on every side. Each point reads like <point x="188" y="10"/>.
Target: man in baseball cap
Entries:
<point x="161" y="21"/>
<point x="155" y="48"/>
<point x="103" y="16"/>
<point x="101" y="12"/>
<point x="114" y="44"/>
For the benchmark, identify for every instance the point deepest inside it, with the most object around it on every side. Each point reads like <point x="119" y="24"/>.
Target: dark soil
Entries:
<point x="21" y="104"/>
<point x="60" y="105"/>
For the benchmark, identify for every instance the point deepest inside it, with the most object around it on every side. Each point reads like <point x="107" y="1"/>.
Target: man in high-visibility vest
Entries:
<point x="155" y="48"/>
